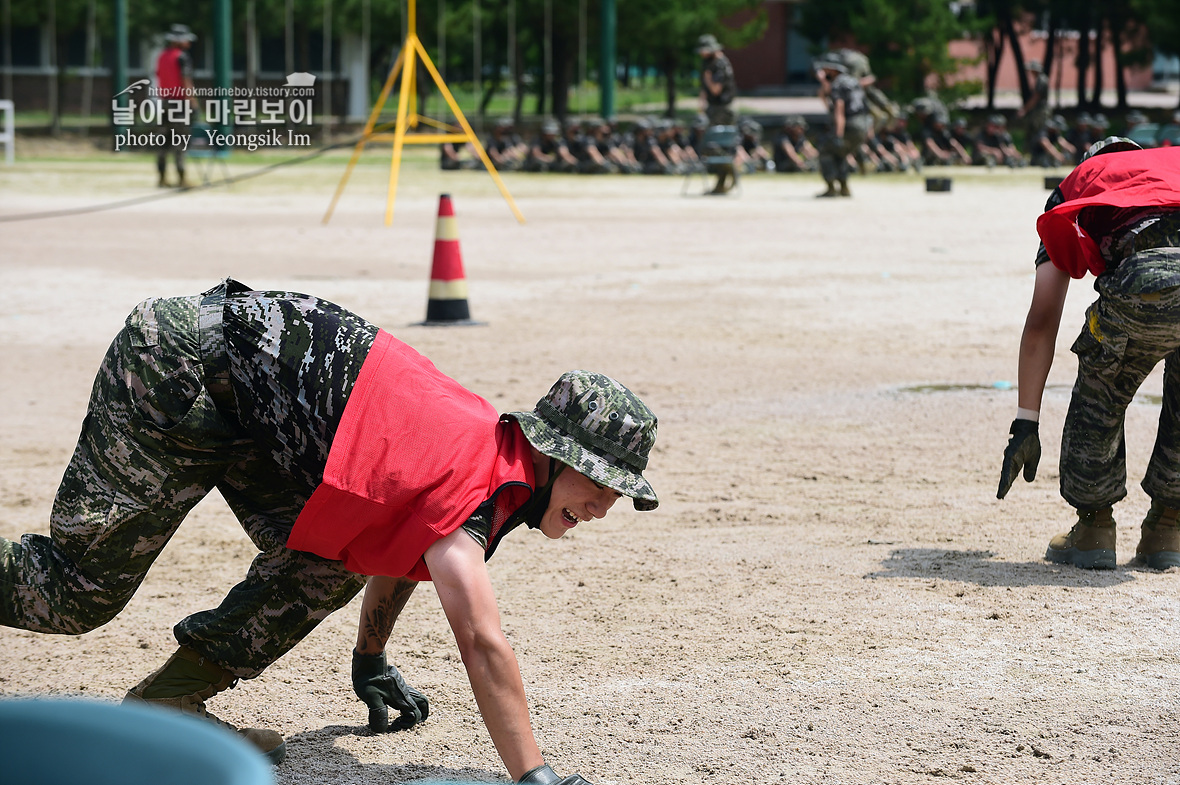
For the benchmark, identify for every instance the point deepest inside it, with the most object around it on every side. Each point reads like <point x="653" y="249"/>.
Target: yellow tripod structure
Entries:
<point x="408" y="117"/>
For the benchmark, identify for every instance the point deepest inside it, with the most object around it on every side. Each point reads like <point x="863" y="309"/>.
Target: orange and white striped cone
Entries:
<point x="447" y="301"/>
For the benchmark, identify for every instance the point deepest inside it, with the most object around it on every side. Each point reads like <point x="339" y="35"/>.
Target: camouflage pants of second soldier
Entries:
<point x="834" y="150"/>
<point x="173" y="415"/>
<point x="1130" y="327"/>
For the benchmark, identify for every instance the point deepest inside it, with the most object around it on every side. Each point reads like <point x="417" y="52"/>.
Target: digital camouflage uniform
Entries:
<point x="834" y="150"/>
<point x="235" y="390"/>
<point x="1134" y="323"/>
<point x="719" y="108"/>
<point x="1038" y="116"/>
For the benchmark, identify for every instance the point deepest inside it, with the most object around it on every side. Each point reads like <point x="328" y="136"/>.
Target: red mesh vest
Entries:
<point x="168" y="75"/>
<point x="1136" y="178"/>
<point x="414" y="455"/>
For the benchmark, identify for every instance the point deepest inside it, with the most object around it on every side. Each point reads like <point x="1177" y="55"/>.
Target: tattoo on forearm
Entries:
<point x="378" y="621"/>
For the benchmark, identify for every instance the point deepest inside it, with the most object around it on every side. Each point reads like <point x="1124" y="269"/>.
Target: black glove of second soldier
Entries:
<point x="1023" y="451"/>
<point x="380" y="686"/>
<point x="543" y="775"/>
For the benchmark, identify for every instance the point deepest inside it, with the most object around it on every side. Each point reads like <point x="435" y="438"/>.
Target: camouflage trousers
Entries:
<point x="1130" y="327"/>
<point x="834" y="150"/>
<point x="721" y="114"/>
<point x="172" y="415"/>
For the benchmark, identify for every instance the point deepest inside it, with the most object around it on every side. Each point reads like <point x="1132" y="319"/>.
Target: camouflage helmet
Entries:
<point x="549" y="128"/>
<point x="1111" y="144"/>
<point x="922" y="105"/>
<point x="855" y="61"/>
<point x="598" y="427"/>
<point x="830" y="62"/>
<point x="1034" y="66"/>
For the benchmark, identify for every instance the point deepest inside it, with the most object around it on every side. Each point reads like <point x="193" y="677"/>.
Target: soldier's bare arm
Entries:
<point x="383" y="602"/>
<point x="1039" y="340"/>
<point x="465" y="591"/>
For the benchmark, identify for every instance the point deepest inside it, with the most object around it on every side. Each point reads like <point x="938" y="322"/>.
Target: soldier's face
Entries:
<point x="575" y="498"/>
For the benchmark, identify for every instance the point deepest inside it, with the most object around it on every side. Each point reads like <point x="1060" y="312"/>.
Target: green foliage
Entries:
<point x="70" y="14"/>
<point x="671" y="27"/>
<point x="906" y="40"/>
<point x="1162" y="19"/>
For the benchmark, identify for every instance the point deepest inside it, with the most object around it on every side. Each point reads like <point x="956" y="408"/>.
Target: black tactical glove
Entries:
<point x="543" y="775"/>
<point x="380" y="686"/>
<point x="1023" y="450"/>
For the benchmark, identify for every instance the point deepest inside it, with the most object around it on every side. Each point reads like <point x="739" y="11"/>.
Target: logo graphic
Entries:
<point x="134" y="86"/>
<point x="300" y="79"/>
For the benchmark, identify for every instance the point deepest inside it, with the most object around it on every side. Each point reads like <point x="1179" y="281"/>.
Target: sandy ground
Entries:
<point x="829" y="591"/>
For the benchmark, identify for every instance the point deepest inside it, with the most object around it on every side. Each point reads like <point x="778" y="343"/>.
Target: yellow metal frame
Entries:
<point x="408" y="118"/>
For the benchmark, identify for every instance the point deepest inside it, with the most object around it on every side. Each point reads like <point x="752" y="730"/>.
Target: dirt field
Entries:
<point x="829" y="591"/>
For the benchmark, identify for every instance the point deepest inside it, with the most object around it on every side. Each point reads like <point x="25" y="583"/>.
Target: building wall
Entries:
<point x="764" y="62"/>
<point x="1064" y="69"/>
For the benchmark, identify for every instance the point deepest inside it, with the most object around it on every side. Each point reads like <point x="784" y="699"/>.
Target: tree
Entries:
<point x="667" y="31"/>
<point x="906" y="40"/>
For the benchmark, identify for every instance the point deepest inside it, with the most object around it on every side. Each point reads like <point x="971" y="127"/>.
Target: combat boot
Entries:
<point x="185" y="682"/>
<point x="844" y="188"/>
<point x="1089" y="544"/>
<point x="830" y="192"/>
<point x="1159" y="542"/>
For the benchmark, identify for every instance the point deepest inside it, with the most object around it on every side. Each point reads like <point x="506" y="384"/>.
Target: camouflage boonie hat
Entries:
<point x="708" y="43"/>
<point x="179" y="33"/>
<point x="1111" y="144"/>
<point x="1034" y="66"/>
<point x="598" y="427"/>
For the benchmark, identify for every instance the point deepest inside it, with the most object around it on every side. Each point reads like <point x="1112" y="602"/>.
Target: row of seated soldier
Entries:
<point x="648" y="146"/>
<point x="922" y="135"/>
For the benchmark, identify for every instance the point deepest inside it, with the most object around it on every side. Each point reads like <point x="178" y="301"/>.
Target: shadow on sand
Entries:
<point x="314" y="753"/>
<point x="983" y="569"/>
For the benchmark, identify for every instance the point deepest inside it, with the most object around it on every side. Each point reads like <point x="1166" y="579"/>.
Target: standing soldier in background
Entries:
<point x="850" y="122"/>
<point x="174" y="80"/>
<point x="718" y="85"/>
<point x="880" y="106"/>
<point x="1036" y="109"/>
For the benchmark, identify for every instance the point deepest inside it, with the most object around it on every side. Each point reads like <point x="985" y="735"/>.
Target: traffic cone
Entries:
<point x="447" y="301"/>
